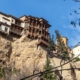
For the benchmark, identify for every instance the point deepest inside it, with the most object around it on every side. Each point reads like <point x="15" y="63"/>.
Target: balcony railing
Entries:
<point x="43" y="36"/>
<point x="18" y="25"/>
<point x="4" y="32"/>
<point x="42" y="41"/>
<point x="16" y="32"/>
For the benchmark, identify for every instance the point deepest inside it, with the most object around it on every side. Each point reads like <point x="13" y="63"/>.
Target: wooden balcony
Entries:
<point x="14" y="31"/>
<point x="17" y="26"/>
<point x="39" y="28"/>
<point x="44" y="28"/>
<point x="43" y="36"/>
<point x="35" y="34"/>
<point x="38" y="35"/>
<point x="43" y="42"/>
<point x="4" y="32"/>
<point x="30" y="34"/>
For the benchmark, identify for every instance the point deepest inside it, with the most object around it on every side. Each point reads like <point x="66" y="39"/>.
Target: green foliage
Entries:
<point x="77" y="59"/>
<point x="1" y="72"/>
<point x="62" y="49"/>
<point x="48" y="75"/>
<point x="51" y="46"/>
<point x="15" y="70"/>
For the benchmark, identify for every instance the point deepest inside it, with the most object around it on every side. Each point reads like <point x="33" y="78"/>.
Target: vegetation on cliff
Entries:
<point x="48" y="75"/>
<point x="51" y="46"/>
<point x="1" y="72"/>
<point x="62" y="49"/>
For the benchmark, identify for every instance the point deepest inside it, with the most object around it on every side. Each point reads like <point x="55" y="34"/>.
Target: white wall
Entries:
<point x="23" y="18"/>
<point x="76" y="51"/>
<point x="2" y="28"/>
<point x="3" y="16"/>
<point x="4" y="20"/>
<point x="23" y="24"/>
<point x="11" y="20"/>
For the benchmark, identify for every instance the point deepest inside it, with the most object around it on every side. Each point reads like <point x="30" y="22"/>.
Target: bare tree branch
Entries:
<point x="50" y="70"/>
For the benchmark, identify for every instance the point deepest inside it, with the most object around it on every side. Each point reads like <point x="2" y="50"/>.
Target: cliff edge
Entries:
<point x="23" y="57"/>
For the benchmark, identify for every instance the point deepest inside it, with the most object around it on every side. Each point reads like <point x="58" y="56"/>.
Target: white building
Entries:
<point x="11" y="25"/>
<point x="4" y="28"/>
<point x="76" y="50"/>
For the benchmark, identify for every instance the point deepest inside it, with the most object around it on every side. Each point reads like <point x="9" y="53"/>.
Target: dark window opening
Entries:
<point x="12" y="20"/>
<point x="6" y="29"/>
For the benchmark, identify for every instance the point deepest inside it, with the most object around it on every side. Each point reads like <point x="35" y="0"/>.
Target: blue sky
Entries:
<point x="57" y="12"/>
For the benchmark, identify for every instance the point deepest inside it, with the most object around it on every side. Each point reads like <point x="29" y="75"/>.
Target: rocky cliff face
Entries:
<point x="23" y="57"/>
<point x="27" y="57"/>
<point x="5" y="51"/>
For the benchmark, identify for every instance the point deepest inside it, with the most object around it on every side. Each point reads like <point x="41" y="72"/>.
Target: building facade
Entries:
<point x="32" y="27"/>
<point x="37" y="28"/>
<point x="76" y="50"/>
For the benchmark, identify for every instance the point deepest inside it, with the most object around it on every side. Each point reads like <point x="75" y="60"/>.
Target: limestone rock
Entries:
<point x="27" y="57"/>
<point x="5" y="51"/>
<point x="23" y="57"/>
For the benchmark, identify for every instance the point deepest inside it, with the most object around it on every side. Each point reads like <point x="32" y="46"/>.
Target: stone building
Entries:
<point x="36" y="28"/>
<point x="32" y="27"/>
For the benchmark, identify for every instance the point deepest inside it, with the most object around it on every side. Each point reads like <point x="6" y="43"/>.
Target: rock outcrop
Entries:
<point x="23" y="57"/>
<point x="27" y="57"/>
<point x="5" y="51"/>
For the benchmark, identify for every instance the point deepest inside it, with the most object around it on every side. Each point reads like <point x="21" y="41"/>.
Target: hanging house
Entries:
<point x="32" y="27"/>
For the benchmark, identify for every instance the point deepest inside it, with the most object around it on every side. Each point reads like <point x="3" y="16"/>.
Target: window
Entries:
<point x="0" y="26"/>
<point x="6" y="19"/>
<point x="12" y="20"/>
<point x="6" y="29"/>
<point x="39" y="32"/>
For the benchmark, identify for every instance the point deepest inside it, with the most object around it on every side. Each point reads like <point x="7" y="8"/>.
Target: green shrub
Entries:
<point x="15" y="70"/>
<point x="48" y="75"/>
<point x="77" y="59"/>
<point x="1" y="72"/>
